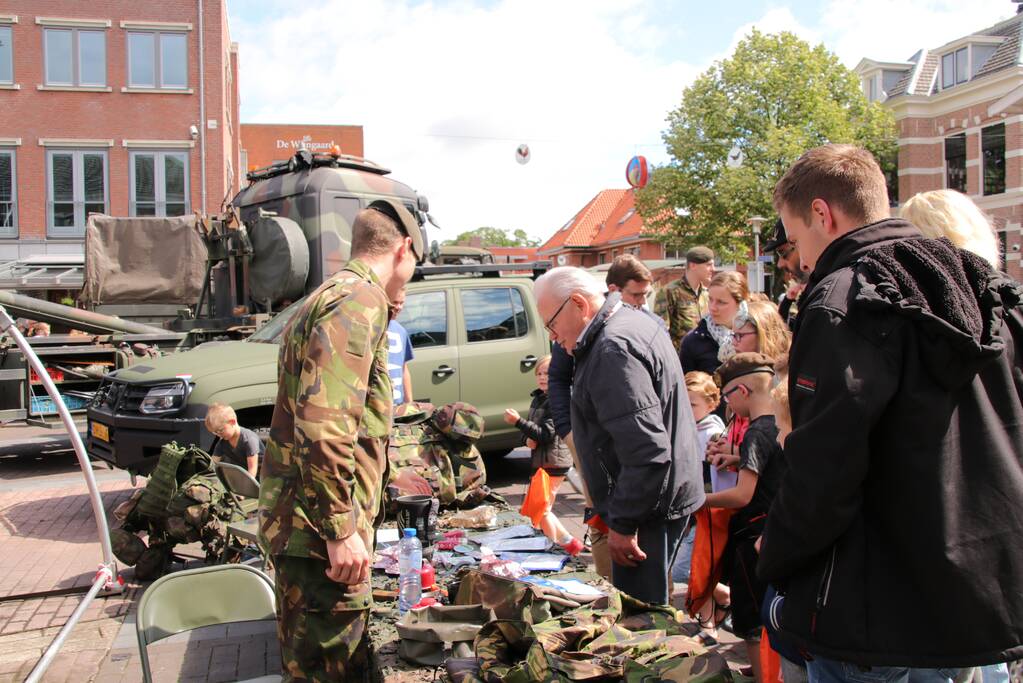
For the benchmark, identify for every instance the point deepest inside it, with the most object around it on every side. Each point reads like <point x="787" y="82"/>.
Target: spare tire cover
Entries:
<point x="280" y="263"/>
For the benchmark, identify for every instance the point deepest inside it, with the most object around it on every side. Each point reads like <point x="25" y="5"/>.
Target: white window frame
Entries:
<point x="12" y="230"/>
<point x="76" y="57"/>
<point x="159" y="179"/>
<point x="78" y="190"/>
<point x="157" y="83"/>
<point x="10" y="50"/>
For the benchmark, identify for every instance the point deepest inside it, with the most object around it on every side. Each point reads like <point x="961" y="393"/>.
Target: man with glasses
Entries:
<point x="791" y="269"/>
<point x="324" y="470"/>
<point x="631" y="423"/>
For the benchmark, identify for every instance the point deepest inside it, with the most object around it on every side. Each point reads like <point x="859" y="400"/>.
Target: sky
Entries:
<point x="447" y="90"/>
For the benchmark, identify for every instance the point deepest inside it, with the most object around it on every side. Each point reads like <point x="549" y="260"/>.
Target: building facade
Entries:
<point x="608" y="226"/>
<point x="959" y="111"/>
<point x="265" y="143"/>
<point x="115" y="106"/>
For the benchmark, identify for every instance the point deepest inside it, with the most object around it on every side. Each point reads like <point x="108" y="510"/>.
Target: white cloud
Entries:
<point x="446" y="93"/>
<point x="775" y="20"/>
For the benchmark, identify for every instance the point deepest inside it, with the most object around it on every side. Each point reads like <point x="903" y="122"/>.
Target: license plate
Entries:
<point x="101" y="431"/>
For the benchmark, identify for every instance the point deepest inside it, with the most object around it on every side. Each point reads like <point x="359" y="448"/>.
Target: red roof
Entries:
<point x="624" y="223"/>
<point x="584" y="226"/>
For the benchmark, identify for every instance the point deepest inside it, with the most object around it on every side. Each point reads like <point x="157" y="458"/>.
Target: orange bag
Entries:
<point x="538" y="497"/>
<point x="705" y="571"/>
<point x="770" y="661"/>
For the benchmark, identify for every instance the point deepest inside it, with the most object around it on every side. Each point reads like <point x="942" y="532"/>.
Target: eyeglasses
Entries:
<point x="731" y="391"/>
<point x="547" y="325"/>
<point x="786" y="249"/>
<point x="739" y="336"/>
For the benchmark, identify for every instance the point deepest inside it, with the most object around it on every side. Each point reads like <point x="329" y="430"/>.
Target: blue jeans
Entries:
<point x="680" y="570"/>
<point x="821" y="670"/>
<point x="649" y="580"/>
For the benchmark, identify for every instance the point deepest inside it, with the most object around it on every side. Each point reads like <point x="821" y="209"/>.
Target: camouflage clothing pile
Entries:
<point x="681" y="307"/>
<point x="183" y="502"/>
<point x="613" y="637"/>
<point x="439" y="445"/>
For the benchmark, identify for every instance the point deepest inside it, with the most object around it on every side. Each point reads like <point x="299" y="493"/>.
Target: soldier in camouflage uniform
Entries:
<point x="682" y="303"/>
<point x="323" y="472"/>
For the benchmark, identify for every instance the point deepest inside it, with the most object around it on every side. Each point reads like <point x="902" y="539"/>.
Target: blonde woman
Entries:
<point x="761" y="329"/>
<point x="951" y="214"/>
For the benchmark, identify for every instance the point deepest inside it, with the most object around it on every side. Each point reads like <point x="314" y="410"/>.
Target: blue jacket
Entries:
<point x="699" y="351"/>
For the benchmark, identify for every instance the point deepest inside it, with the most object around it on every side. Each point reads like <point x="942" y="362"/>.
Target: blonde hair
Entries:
<point x="951" y="214"/>
<point x="733" y="282"/>
<point x="773" y="335"/>
<point x="543" y="362"/>
<point x="218" y="415"/>
<point x="703" y="384"/>
<point x="780" y="396"/>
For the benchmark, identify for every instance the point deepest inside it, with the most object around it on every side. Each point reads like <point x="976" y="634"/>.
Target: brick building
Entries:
<point x="959" y="111"/>
<point x="115" y="106"/>
<point x="265" y="143"/>
<point x="606" y="227"/>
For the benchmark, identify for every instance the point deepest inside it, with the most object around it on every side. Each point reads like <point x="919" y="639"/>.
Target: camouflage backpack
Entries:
<point x="184" y="501"/>
<point x="438" y="443"/>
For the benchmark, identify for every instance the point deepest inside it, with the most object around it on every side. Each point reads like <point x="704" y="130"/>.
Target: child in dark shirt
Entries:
<point x="745" y="381"/>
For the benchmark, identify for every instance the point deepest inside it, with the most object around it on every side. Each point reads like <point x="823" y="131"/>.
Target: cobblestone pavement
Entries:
<point x="48" y="542"/>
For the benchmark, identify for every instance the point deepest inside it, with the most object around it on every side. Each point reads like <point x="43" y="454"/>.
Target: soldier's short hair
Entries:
<point x="627" y="267"/>
<point x="844" y="176"/>
<point x="218" y="415"/>
<point x="374" y="233"/>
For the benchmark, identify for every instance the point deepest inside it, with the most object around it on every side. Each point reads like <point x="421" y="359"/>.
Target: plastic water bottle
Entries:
<point x="410" y="564"/>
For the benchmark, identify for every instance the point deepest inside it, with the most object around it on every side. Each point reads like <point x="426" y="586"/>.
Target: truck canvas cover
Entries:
<point x="143" y="260"/>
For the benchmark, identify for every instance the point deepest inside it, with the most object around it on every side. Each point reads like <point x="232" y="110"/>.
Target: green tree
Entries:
<point x="774" y="98"/>
<point x="496" y="237"/>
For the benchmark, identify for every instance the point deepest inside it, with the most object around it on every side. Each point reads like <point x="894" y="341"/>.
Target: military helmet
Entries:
<point x="459" y="421"/>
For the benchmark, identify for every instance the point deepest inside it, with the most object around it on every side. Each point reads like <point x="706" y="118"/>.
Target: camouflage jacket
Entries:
<point x="681" y="307"/>
<point x="326" y="460"/>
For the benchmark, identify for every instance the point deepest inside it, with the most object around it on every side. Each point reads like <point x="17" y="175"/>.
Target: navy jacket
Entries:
<point x="698" y="350"/>
<point x="632" y="423"/>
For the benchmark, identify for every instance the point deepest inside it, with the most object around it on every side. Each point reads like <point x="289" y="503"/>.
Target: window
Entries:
<point x="425" y="318"/>
<point x="75" y="57"/>
<point x="159" y="183"/>
<point x="602" y="258"/>
<point x="955" y="162"/>
<point x="992" y="146"/>
<point x="157" y="60"/>
<point x="8" y="195"/>
<point x="493" y="313"/>
<point x="6" y="56"/>
<point x="955" y="67"/>
<point x="76" y="186"/>
<point x="981" y="53"/>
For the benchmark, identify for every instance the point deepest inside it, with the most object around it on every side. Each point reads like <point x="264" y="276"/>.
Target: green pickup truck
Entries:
<point x="476" y="334"/>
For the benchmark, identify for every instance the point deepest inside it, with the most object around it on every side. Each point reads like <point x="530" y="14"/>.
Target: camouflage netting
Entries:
<point x="184" y="502"/>
<point x="439" y="444"/>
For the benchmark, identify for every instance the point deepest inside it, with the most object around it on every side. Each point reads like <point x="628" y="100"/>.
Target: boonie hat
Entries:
<point x="405" y="220"/>
<point x="699" y="255"/>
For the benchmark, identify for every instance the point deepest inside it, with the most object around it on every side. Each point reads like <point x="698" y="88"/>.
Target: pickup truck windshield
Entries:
<point x="271" y="332"/>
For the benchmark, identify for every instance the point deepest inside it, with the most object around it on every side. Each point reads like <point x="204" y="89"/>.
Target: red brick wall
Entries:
<point x="265" y="143"/>
<point x="30" y="114"/>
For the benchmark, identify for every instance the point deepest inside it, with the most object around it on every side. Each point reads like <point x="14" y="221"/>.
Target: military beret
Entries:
<point x="699" y="255"/>
<point x="742" y="364"/>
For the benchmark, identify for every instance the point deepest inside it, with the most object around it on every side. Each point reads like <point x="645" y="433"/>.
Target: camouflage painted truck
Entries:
<point x="476" y="335"/>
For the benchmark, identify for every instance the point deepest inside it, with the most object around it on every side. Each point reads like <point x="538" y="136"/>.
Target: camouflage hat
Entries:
<point x="699" y="255"/>
<point x="405" y="220"/>
<point x="459" y="421"/>
<point x="742" y="364"/>
<point x="127" y="547"/>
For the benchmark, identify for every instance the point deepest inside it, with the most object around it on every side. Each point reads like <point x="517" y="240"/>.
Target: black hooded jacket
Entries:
<point x="897" y="534"/>
<point x="633" y="427"/>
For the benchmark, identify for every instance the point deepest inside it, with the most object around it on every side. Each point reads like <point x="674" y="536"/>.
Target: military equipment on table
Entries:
<point x="438" y="444"/>
<point x="424" y="632"/>
<point x="183" y="502"/>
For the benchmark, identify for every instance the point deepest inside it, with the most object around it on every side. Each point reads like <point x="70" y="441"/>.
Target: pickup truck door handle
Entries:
<point x="444" y="371"/>
<point x="529" y="361"/>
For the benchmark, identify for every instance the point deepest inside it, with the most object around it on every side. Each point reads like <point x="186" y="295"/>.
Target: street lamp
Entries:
<point x="756" y="222"/>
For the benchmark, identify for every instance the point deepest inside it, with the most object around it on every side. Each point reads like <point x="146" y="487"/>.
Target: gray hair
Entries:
<point x="564" y="281"/>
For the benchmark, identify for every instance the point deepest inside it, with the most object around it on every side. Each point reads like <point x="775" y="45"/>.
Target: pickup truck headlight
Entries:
<point x="163" y="399"/>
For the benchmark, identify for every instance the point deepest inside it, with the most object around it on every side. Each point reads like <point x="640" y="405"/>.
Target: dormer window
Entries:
<point x="961" y="64"/>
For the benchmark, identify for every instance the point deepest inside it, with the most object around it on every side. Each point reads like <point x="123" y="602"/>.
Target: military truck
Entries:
<point x="476" y="335"/>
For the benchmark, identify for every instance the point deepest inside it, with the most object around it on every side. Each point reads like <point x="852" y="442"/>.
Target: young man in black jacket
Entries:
<point x="632" y="425"/>
<point x="895" y="535"/>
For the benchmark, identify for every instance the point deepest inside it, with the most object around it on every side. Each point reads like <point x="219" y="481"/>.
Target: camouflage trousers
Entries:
<point x="318" y="642"/>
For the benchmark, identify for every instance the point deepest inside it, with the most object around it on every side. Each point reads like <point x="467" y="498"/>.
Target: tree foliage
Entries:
<point x="495" y="237"/>
<point x="775" y="97"/>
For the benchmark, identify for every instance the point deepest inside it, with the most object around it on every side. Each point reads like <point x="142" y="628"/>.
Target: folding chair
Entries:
<point x="205" y="596"/>
<point x="243" y="489"/>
